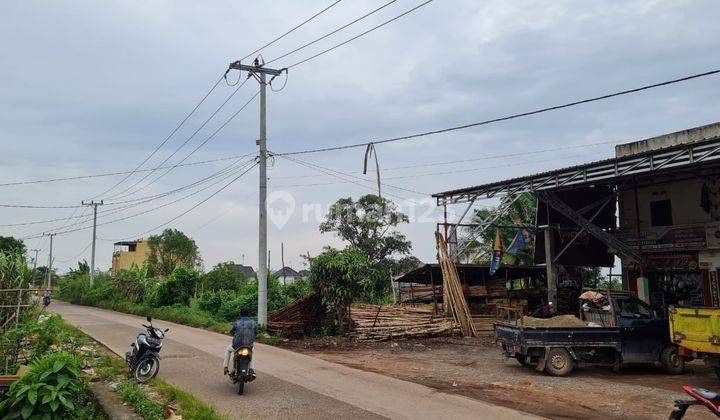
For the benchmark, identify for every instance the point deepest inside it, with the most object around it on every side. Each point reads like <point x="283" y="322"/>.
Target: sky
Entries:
<point x="91" y="87"/>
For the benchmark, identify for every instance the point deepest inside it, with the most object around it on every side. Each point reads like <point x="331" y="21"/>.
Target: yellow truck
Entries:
<point x="696" y="331"/>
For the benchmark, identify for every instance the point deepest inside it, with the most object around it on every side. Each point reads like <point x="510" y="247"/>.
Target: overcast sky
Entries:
<point x="90" y="87"/>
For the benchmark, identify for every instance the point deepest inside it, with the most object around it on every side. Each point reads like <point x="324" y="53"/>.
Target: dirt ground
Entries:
<point x="477" y="369"/>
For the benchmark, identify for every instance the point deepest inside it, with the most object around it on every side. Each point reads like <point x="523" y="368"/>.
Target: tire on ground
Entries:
<point x="559" y="362"/>
<point x="671" y="361"/>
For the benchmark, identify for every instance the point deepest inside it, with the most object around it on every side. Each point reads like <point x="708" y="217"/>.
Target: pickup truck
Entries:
<point x="697" y="333"/>
<point x="631" y="332"/>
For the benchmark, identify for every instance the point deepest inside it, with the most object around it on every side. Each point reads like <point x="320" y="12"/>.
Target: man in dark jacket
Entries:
<point x="243" y="331"/>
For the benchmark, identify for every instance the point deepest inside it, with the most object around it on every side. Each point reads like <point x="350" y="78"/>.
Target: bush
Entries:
<point x="50" y="389"/>
<point x="178" y="289"/>
<point x="224" y="276"/>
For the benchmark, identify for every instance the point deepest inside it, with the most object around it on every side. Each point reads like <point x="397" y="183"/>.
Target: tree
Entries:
<point x="224" y="276"/>
<point x="10" y="244"/>
<point x="340" y="277"/>
<point x="521" y="212"/>
<point x="367" y="225"/>
<point x="169" y="250"/>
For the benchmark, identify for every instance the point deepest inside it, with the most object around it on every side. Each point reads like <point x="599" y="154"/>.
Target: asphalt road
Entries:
<point x="289" y="385"/>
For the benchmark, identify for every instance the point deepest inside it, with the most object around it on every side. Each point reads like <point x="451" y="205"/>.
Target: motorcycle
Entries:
<point x="709" y="399"/>
<point x="144" y="359"/>
<point x="242" y="373"/>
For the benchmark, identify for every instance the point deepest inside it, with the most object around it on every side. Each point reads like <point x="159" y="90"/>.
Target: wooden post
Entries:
<point x="434" y="298"/>
<point x="550" y="270"/>
<point x="412" y="295"/>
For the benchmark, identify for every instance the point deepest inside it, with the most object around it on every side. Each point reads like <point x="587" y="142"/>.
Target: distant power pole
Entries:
<point x="50" y="260"/>
<point x="282" y="261"/>
<point x="259" y="72"/>
<point x="36" y="255"/>
<point x="94" y="205"/>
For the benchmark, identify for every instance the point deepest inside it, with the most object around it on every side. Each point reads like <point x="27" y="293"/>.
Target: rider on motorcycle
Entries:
<point x="243" y="331"/>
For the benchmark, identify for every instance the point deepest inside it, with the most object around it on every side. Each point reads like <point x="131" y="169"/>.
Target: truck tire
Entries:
<point x="559" y="362"/>
<point x="671" y="361"/>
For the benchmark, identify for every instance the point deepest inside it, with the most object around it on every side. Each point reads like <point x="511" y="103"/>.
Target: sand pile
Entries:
<point x="560" y="321"/>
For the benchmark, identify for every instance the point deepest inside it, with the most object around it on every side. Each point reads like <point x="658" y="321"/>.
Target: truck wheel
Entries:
<point x="559" y="362"/>
<point x="671" y="361"/>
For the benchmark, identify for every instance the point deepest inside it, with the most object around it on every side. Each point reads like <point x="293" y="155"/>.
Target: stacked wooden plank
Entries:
<point x="420" y="293"/>
<point x="475" y="291"/>
<point x="484" y="324"/>
<point x="453" y="298"/>
<point x="299" y="318"/>
<point x="379" y="323"/>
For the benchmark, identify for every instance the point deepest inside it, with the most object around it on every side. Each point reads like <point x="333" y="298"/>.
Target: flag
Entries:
<point x="497" y="255"/>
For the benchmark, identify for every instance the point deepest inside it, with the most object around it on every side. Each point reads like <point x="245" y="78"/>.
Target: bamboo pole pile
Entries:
<point x="454" y="300"/>
<point x="379" y="323"/>
<point x="298" y="318"/>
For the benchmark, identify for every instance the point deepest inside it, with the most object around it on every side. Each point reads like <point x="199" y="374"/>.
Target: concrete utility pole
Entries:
<point x="551" y="274"/>
<point x="50" y="260"/>
<point x="259" y="73"/>
<point x="36" y="255"/>
<point x="95" y="205"/>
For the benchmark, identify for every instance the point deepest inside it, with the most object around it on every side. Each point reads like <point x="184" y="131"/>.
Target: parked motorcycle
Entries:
<point x="242" y="373"/>
<point x="144" y="359"/>
<point x="709" y="399"/>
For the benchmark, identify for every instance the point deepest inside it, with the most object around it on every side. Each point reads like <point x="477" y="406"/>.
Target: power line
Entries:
<point x="107" y="174"/>
<point x="190" y="209"/>
<point x="136" y="202"/>
<point x="331" y="33"/>
<point x="77" y="255"/>
<point x="291" y="30"/>
<point x="145" y="211"/>
<point x="172" y="133"/>
<point x="122" y="193"/>
<point x="505" y="118"/>
<point x="360" y="35"/>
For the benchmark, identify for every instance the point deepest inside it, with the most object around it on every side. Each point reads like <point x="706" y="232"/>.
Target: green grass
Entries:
<point x="134" y="396"/>
<point x="190" y="406"/>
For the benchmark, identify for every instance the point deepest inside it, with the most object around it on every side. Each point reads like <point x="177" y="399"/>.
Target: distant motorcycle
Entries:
<point x="242" y="373"/>
<point x="144" y="359"/>
<point x="711" y="400"/>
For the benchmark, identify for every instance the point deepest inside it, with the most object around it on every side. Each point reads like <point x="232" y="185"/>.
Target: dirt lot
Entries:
<point x="476" y="368"/>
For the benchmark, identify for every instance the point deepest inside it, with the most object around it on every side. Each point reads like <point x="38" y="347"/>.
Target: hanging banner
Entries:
<point x="497" y="255"/>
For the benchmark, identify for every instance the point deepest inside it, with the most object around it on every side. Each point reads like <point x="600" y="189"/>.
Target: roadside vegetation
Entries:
<point x="172" y="286"/>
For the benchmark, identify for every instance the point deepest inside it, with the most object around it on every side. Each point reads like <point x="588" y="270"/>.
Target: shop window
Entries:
<point x="660" y="213"/>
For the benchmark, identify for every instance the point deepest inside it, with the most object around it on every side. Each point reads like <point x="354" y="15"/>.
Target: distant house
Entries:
<point x="287" y="274"/>
<point x="247" y="270"/>
<point x="127" y="253"/>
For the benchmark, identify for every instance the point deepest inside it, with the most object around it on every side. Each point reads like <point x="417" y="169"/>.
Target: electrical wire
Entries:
<point x="122" y="193"/>
<point x="331" y="33"/>
<point x="172" y="133"/>
<point x="145" y="211"/>
<point x="136" y="202"/>
<point x="312" y="57"/>
<point x="77" y="255"/>
<point x="188" y="210"/>
<point x="291" y="30"/>
<point x="505" y="118"/>
<point x="107" y="174"/>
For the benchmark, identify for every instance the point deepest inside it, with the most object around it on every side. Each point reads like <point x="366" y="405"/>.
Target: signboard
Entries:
<point x="677" y="261"/>
<point x="668" y="239"/>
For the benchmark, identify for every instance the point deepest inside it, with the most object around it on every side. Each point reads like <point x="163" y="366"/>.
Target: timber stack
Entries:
<point x="299" y="318"/>
<point x="454" y="300"/>
<point x="380" y="323"/>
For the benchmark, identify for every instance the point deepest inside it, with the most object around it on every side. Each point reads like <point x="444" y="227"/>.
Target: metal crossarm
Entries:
<point x="615" y="245"/>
